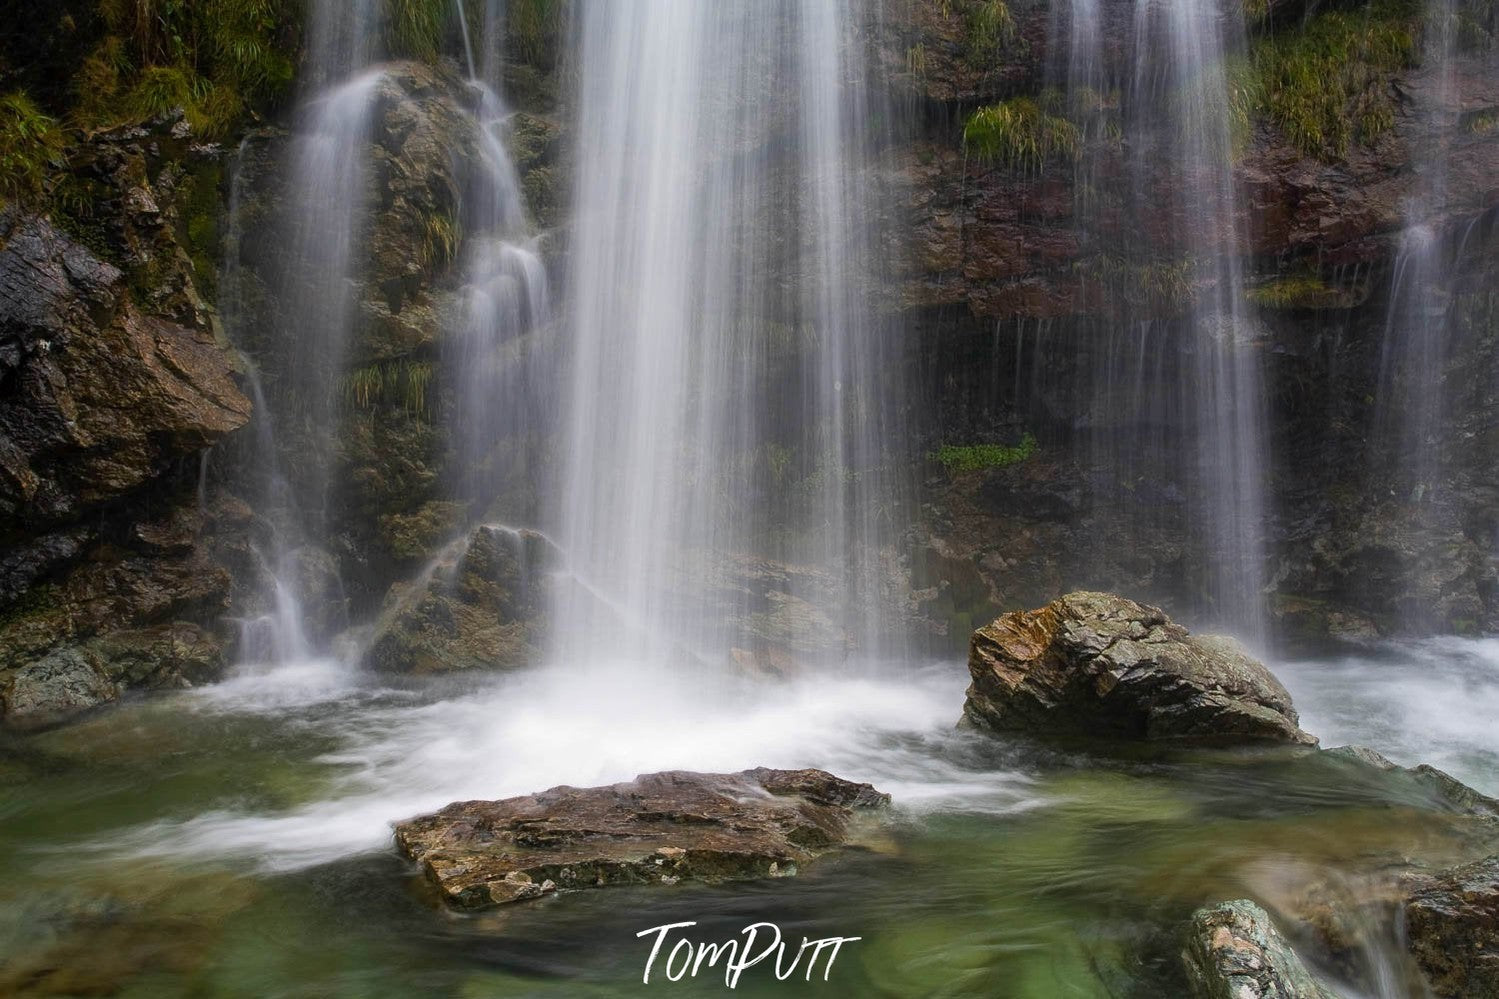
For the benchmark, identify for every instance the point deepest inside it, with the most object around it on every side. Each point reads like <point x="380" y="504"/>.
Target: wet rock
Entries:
<point x="1452" y="924"/>
<point x="102" y="396"/>
<point x="1234" y="951"/>
<point x="147" y="612"/>
<point x="54" y="688"/>
<point x="657" y="829"/>
<point x="1095" y="664"/>
<point x="480" y="606"/>
<point x="1438" y="787"/>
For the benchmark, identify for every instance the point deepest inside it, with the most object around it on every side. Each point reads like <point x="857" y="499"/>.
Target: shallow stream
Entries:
<point x="235" y="840"/>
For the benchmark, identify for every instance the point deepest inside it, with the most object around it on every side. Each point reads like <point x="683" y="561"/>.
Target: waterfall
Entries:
<point x="505" y="298"/>
<point x="1410" y="398"/>
<point x="1202" y="414"/>
<point x="724" y="398"/>
<point x="319" y="299"/>
<point x="1223" y="383"/>
<point x="326" y="216"/>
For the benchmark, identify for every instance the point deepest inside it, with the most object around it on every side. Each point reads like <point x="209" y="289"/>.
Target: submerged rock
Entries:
<point x="1440" y="787"/>
<point x="479" y="606"/>
<point x="1096" y="664"/>
<point x="1234" y="951"/>
<point x="1452" y="923"/>
<point x="657" y="829"/>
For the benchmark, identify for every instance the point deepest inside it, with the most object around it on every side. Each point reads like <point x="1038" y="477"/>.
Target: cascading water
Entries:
<point x="1222" y="386"/>
<point x="321" y="290"/>
<point x="505" y="301"/>
<point x="1410" y="395"/>
<point x="1170" y="281"/>
<point x="1437" y="307"/>
<point x="725" y="395"/>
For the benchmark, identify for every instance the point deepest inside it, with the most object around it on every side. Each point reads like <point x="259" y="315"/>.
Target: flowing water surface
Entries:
<point x="235" y="840"/>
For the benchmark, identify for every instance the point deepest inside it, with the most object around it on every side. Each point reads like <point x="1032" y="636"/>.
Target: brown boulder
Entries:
<point x="657" y="829"/>
<point x="1095" y="664"/>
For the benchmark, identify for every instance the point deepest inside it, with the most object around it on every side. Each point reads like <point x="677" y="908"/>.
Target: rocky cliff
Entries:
<point x="1048" y="295"/>
<point x="115" y="381"/>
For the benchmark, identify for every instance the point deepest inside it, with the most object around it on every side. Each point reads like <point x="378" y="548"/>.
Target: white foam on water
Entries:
<point x="1433" y="701"/>
<point x="585" y="726"/>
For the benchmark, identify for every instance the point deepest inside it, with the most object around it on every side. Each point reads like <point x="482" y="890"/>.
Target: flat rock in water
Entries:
<point x="1095" y="664"/>
<point x="657" y="829"/>
<point x="1234" y="951"/>
<point x="1452" y="923"/>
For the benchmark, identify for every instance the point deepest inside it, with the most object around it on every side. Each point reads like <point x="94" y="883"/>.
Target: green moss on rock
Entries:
<point x="974" y="457"/>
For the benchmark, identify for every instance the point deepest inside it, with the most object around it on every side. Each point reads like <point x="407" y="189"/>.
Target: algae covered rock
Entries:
<point x="1095" y="664"/>
<point x="481" y="605"/>
<point x="1234" y="951"/>
<point x="657" y="829"/>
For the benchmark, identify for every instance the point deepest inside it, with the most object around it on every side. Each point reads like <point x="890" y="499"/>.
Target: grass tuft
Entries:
<point x="30" y="148"/>
<point x="388" y="383"/>
<point x="991" y="29"/>
<point x="1019" y="135"/>
<point x="1328" y="84"/>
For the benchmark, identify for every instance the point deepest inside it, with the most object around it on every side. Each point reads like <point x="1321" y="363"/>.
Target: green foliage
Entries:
<point x="30" y="147"/>
<point x="990" y="29"/>
<point x="1482" y="123"/>
<point x="414" y="28"/>
<point x="401" y="383"/>
<point x="1161" y="285"/>
<point x="1018" y="134"/>
<point x="1477" y="23"/>
<point x="212" y="58"/>
<point x="1298" y="291"/>
<point x="973" y="457"/>
<point x="201" y="222"/>
<point x="1327" y="84"/>
<point x="916" y="61"/>
<point x="534" y="27"/>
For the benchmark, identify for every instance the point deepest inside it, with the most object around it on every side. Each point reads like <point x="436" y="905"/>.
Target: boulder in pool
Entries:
<point x="1452" y="924"/>
<point x="657" y="829"/>
<point x="1234" y="951"/>
<point x="1099" y="665"/>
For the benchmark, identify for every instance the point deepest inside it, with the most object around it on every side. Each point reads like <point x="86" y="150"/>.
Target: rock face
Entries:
<point x="1452" y="923"/>
<point x="482" y="606"/>
<point x="657" y="829"/>
<point x="1094" y="664"/>
<point x="113" y="380"/>
<point x="1027" y="293"/>
<point x="1234" y="951"/>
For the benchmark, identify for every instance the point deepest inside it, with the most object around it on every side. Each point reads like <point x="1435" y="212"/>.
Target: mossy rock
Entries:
<point x="416" y="535"/>
<point x="482" y="606"/>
